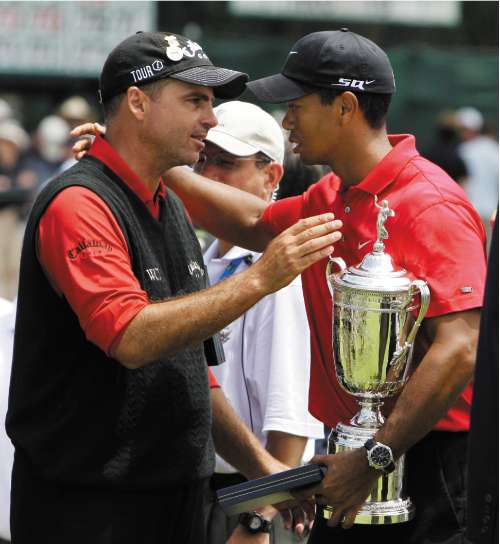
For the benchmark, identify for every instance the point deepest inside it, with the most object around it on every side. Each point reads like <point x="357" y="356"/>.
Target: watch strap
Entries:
<point x="389" y="468"/>
<point x="369" y="444"/>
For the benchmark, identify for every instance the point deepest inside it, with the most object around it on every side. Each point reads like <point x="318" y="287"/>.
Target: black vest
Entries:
<point x="76" y="414"/>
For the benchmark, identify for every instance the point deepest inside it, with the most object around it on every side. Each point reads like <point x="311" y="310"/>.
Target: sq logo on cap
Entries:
<point x="332" y="59"/>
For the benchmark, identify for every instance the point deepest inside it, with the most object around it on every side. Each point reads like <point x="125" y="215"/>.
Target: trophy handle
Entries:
<point x="329" y="269"/>
<point x="425" y="296"/>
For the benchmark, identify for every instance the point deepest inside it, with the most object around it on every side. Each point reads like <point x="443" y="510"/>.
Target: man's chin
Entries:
<point x="188" y="160"/>
<point x="312" y="160"/>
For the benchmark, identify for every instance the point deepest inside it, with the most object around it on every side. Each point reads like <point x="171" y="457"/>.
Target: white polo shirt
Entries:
<point x="266" y="373"/>
<point x="7" y="319"/>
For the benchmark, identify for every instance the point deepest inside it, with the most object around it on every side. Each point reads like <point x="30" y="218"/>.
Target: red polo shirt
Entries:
<point x="85" y="256"/>
<point x="436" y="234"/>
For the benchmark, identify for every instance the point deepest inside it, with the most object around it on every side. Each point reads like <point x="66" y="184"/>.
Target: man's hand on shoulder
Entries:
<point x="86" y="132"/>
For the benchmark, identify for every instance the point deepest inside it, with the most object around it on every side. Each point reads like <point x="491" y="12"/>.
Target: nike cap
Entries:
<point x="332" y="59"/>
<point x="244" y="129"/>
<point x="150" y="56"/>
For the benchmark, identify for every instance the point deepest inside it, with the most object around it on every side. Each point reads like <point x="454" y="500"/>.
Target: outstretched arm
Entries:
<point x="166" y="327"/>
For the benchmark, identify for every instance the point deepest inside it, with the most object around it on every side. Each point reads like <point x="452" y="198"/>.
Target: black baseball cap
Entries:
<point x="150" y="56"/>
<point x="332" y="59"/>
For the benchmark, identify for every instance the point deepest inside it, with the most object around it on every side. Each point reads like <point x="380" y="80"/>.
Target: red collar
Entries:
<point x="388" y="169"/>
<point x="103" y="151"/>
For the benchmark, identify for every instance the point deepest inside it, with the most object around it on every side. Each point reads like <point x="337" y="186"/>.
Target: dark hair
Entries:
<point x="153" y="90"/>
<point x="110" y="107"/>
<point x="374" y="106"/>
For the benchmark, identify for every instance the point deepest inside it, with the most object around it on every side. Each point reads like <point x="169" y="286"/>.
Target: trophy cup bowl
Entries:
<point x="375" y="320"/>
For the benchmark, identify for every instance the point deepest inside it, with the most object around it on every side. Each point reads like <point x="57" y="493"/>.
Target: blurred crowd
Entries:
<point x="27" y="161"/>
<point x="466" y="148"/>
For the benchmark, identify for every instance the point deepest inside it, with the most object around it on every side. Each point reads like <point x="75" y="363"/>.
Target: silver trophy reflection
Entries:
<point x="374" y="328"/>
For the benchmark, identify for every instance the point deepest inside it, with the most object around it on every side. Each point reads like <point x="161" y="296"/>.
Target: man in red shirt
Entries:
<point x="338" y="87"/>
<point x="109" y="407"/>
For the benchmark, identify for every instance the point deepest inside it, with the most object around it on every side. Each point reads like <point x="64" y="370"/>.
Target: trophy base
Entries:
<point x="387" y="503"/>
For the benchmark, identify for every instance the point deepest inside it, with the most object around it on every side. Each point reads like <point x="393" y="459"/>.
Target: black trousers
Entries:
<point x="436" y="469"/>
<point x="52" y="514"/>
<point x="220" y="526"/>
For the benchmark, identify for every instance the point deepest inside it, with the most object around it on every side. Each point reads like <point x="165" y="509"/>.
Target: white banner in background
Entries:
<point x="416" y="12"/>
<point x="66" y="38"/>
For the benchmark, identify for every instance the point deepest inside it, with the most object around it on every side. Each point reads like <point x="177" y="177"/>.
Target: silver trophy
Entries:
<point x="374" y="327"/>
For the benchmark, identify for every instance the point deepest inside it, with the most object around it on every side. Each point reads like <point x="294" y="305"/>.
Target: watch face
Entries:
<point x="380" y="456"/>
<point x="254" y="523"/>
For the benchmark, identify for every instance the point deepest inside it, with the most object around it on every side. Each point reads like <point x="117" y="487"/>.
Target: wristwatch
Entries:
<point x="254" y="522"/>
<point x="379" y="456"/>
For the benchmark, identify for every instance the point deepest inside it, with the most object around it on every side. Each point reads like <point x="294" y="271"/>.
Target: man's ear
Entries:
<point x="349" y="105"/>
<point x="137" y="102"/>
<point x="274" y="173"/>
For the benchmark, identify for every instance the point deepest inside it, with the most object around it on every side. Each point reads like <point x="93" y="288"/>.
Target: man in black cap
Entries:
<point x="109" y="406"/>
<point x="338" y="86"/>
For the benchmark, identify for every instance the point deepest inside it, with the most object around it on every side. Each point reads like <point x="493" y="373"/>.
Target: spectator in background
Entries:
<point x="7" y="319"/>
<point x="443" y="150"/>
<point x="480" y="154"/>
<point x="266" y="373"/>
<point x="6" y="111"/>
<point x="14" y="141"/>
<point x="75" y="111"/>
<point x="51" y="148"/>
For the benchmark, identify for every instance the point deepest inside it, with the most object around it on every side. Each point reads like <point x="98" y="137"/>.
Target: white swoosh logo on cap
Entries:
<point x="363" y="244"/>
<point x="369" y="82"/>
<point x="293" y="53"/>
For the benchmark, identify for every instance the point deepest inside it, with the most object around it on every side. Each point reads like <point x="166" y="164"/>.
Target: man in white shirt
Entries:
<point x="266" y="374"/>
<point x="480" y="154"/>
<point x="7" y="319"/>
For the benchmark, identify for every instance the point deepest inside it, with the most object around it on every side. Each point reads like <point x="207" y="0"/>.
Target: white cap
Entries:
<point x="75" y="107"/>
<point x="470" y="118"/>
<point x="13" y="132"/>
<point x="5" y="110"/>
<point x="245" y="129"/>
<point x="53" y="137"/>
